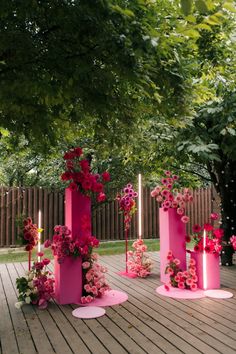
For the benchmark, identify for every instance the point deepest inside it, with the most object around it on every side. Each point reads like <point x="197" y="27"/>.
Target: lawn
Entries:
<point x="106" y="248"/>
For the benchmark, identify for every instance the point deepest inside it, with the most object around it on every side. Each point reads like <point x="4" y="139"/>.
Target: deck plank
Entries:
<point x="146" y="323"/>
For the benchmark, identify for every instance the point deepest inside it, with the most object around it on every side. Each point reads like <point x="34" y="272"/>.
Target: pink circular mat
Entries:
<point x="110" y="298"/>
<point x="218" y="294"/>
<point x="89" y="312"/>
<point x="180" y="293"/>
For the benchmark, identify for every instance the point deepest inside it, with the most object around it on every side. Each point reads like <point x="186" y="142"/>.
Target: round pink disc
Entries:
<point x="180" y="293"/>
<point x="218" y="294"/>
<point x="89" y="312"/>
<point x="110" y="298"/>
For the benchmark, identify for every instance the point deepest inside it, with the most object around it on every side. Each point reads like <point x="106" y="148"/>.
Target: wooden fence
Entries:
<point x="107" y="222"/>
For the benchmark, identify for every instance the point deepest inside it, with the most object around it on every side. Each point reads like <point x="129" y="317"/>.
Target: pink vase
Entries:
<point x="208" y="270"/>
<point x="77" y="213"/>
<point x="172" y="238"/>
<point x="68" y="280"/>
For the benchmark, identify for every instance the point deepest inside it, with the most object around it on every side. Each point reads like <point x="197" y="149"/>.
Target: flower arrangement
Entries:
<point x="127" y="204"/>
<point x="37" y="286"/>
<point x="29" y="234"/>
<point x="138" y="262"/>
<point x="63" y="244"/>
<point x="213" y="241"/>
<point x="233" y="241"/>
<point x="94" y="281"/>
<point x="169" y="197"/>
<point x="181" y="279"/>
<point x="78" y="172"/>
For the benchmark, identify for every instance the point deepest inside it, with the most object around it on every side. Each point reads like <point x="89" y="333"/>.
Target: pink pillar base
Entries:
<point x="68" y="280"/>
<point x="172" y="238"/>
<point x="212" y="273"/>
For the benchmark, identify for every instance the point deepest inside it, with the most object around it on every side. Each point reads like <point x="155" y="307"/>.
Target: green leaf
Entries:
<point x="229" y="6"/>
<point x="204" y="26"/>
<point x="186" y="6"/>
<point x="201" y="6"/>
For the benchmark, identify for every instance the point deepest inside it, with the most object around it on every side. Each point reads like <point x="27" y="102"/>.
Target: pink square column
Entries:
<point x="172" y="238"/>
<point x="212" y="271"/>
<point x="68" y="280"/>
<point x="77" y="213"/>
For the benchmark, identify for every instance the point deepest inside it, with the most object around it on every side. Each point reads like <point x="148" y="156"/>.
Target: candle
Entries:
<point x="204" y="262"/>
<point x="139" y="206"/>
<point x="39" y="234"/>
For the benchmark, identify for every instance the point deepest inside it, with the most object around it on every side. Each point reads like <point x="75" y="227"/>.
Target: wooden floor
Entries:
<point x="146" y="323"/>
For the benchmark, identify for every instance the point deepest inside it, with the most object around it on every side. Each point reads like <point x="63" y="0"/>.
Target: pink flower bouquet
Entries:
<point x="63" y="244"/>
<point x="181" y="279"/>
<point x="37" y="286"/>
<point x="138" y="262"/>
<point x="168" y="196"/>
<point x="127" y="204"/>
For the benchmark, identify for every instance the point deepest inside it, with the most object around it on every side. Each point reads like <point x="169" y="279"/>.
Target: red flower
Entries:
<point x="187" y="238"/>
<point x="106" y="176"/>
<point x="214" y="216"/>
<point x="69" y="155"/>
<point x="86" y="184"/>
<point x="84" y="164"/>
<point x="29" y="247"/>
<point x="208" y="227"/>
<point x="66" y="176"/>
<point x="78" y="151"/>
<point x="197" y="228"/>
<point x="73" y="186"/>
<point x="196" y="248"/>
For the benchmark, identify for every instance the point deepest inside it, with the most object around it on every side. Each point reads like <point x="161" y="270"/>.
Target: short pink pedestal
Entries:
<point x="210" y="278"/>
<point x="68" y="280"/>
<point x="77" y="213"/>
<point x="172" y="238"/>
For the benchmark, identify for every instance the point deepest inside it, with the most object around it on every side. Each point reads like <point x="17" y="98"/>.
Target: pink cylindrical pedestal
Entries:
<point x="68" y="280"/>
<point x="77" y="213"/>
<point x="208" y="271"/>
<point x="172" y="238"/>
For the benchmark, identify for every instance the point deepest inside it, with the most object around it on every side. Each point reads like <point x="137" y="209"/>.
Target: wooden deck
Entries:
<point x="146" y="323"/>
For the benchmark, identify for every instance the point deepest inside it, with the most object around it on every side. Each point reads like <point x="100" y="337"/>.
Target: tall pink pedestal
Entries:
<point x="172" y="238"/>
<point x="77" y="213"/>
<point x="210" y="277"/>
<point x="68" y="280"/>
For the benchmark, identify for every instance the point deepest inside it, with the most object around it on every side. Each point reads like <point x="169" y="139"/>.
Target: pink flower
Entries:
<point x="192" y="262"/>
<point x="154" y="193"/>
<point x="214" y="216"/>
<point x="193" y="287"/>
<point x="185" y="219"/>
<point x="85" y="265"/>
<point x="101" y="197"/>
<point x="167" y="173"/>
<point x="218" y="233"/>
<point x="180" y="211"/>
<point x="181" y="285"/>
<point x="176" y="261"/>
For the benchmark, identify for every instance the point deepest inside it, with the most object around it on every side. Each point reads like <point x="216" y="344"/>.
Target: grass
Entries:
<point x="105" y="248"/>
